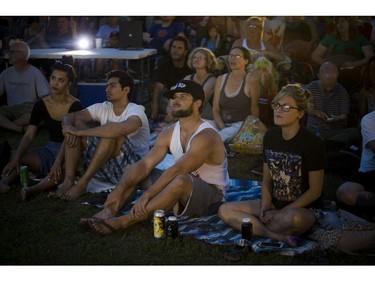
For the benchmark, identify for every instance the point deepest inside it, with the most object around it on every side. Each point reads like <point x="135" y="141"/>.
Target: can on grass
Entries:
<point x="172" y="227"/>
<point x="24" y="176"/>
<point x="159" y="224"/>
<point x="247" y="229"/>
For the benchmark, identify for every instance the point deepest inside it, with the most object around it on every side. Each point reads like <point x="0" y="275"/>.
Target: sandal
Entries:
<point x="112" y="230"/>
<point x="85" y="222"/>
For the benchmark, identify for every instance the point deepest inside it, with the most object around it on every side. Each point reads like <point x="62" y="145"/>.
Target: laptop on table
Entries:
<point x="131" y="33"/>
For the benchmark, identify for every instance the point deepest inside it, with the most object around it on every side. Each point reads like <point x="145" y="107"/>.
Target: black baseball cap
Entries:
<point x="189" y="87"/>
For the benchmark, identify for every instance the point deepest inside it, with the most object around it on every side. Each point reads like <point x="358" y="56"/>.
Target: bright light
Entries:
<point x="84" y="43"/>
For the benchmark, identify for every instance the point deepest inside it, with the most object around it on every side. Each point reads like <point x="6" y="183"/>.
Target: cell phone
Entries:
<point x="329" y="118"/>
<point x="271" y="244"/>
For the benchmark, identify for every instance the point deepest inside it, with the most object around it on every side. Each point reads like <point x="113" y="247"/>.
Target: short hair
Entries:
<point x="25" y="48"/>
<point x="182" y="39"/>
<point x="295" y="91"/>
<point x="125" y="80"/>
<point x="210" y="57"/>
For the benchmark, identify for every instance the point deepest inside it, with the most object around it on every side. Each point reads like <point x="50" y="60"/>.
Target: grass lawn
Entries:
<point x="46" y="232"/>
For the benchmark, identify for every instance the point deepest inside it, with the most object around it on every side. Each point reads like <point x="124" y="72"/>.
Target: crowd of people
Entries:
<point x="202" y="91"/>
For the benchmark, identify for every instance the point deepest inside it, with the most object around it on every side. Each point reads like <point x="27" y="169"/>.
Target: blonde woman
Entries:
<point x="204" y="62"/>
<point x="293" y="172"/>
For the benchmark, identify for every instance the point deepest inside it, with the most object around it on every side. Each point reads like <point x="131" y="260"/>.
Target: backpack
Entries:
<point x="249" y="139"/>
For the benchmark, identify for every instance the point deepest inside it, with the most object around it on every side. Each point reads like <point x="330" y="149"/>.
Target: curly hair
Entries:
<point x="295" y="91"/>
<point x="210" y="57"/>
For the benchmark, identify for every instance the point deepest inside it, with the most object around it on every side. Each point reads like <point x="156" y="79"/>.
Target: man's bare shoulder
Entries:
<point x="209" y="136"/>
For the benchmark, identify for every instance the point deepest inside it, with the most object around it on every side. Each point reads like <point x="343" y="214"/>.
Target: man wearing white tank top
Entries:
<point x="194" y="186"/>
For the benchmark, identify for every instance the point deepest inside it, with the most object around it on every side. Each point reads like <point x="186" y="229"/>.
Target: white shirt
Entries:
<point x="216" y="175"/>
<point x="140" y="139"/>
<point x="368" y="134"/>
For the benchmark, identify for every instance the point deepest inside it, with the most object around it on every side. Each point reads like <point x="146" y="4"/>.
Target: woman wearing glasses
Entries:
<point x="293" y="172"/>
<point x="263" y="57"/>
<point x="48" y="110"/>
<point x="236" y="95"/>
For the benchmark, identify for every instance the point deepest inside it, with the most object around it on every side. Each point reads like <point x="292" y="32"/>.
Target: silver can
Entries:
<point x="159" y="224"/>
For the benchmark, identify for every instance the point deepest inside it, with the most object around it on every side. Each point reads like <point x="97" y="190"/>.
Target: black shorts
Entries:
<point x="317" y="204"/>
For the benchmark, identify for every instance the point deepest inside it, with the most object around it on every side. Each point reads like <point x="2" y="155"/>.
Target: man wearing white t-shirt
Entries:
<point x="122" y="138"/>
<point x="360" y="193"/>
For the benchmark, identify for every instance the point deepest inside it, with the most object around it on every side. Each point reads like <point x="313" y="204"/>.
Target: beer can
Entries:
<point x="247" y="229"/>
<point x="172" y="227"/>
<point x="24" y="176"/>
<point x="159" y="224"/>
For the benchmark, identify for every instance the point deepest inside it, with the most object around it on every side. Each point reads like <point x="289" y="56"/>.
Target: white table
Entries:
<point x="103" y="53"/>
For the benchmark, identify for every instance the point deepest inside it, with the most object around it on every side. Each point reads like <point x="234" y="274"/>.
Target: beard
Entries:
<point x="182" y="113"/>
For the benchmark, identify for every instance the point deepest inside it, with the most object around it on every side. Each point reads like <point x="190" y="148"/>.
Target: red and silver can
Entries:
<point x="24" y="176"/>
<point x="159" y="224"/>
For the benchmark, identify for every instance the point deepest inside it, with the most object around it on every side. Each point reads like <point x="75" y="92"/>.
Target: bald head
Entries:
<point x="328" y="75"/>
<point x="328" y="68"/>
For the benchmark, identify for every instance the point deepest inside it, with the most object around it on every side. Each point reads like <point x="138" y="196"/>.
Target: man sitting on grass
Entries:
<point x="121" y="139"/>
<point x="194" y="186"/>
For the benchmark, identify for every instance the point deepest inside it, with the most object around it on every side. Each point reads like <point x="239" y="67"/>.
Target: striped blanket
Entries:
<point x="212" y="230"/>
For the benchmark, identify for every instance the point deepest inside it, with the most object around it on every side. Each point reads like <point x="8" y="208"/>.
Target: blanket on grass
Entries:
<point x="213" y="230"/>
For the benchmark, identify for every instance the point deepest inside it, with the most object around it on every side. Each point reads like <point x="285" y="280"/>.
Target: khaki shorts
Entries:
<point x="16" y="111"/>
<point x="205" y="199"/>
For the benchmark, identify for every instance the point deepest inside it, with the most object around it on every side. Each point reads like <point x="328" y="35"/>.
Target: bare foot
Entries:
<point x="62" y="189"/>
<point x="4" y="188"/>
<point x="76" y="191"/>
<point x="106" y="227"/>
<point x="105" y="213"/>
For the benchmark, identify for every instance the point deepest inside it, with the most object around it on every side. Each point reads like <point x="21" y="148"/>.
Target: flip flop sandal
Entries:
<point x="113" y="231"/>
<point x="85" y="222"/>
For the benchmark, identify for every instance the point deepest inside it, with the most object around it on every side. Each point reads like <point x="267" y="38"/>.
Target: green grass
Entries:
<point x="46" y="232"/>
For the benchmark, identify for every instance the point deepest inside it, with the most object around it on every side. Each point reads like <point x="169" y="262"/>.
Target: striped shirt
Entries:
<point x="336" y="102"/>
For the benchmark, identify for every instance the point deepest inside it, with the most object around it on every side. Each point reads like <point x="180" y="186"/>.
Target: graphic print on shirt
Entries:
<point x="286" y="174"/>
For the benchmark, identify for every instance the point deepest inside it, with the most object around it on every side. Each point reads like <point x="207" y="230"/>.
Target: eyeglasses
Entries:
<point x="253" y="26"/>
<point x="234" y="57"/>
<point x="284" y="107"/>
